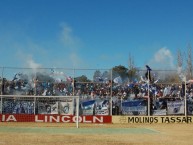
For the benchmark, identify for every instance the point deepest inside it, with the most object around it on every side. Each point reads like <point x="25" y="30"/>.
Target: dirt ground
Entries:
<point x="163" y="134"/>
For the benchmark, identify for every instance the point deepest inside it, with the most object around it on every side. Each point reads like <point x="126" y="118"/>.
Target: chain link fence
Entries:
<point x="105" y="91"/>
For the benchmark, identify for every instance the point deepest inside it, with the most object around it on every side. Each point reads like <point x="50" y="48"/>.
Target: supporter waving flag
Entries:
<point x="148" y="73"/>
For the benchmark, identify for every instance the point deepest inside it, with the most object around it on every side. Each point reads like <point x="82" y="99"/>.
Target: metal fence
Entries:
<point x="159" y="92"/>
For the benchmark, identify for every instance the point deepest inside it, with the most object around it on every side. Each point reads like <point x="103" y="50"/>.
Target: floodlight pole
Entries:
<point x="35" y="83"/>
<point x="73" y="82"/>
<point x="34" y="105"/>
<point x="148" y="94"/>
<point x="111" y="93"/>
<point x="2" y="81"/>
<point x="2" y="89"/>
<point x="1" y="105"/>
<point x="77" y="111"/>
<point x="185" y="99"/>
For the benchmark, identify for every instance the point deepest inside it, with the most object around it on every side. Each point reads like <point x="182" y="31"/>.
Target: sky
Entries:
<point x="94" y="34"/>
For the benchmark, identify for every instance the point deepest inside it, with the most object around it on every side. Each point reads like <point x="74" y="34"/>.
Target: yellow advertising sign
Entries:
<point x="152" y="119"/>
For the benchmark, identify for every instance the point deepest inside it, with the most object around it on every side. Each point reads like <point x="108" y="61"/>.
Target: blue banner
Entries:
<point x="88" y="107"/>
<point x="18" y="107"/>
<point x="102" y="107"/>
<point x="190" y="109"/>
<point x="137" y="107"/>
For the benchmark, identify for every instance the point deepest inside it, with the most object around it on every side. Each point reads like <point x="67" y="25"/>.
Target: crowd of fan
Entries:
<point x="126" y="90"/>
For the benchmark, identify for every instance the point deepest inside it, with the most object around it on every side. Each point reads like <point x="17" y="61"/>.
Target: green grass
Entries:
<point x="57" y="130"/>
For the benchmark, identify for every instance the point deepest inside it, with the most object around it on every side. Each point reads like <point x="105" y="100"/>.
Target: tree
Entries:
<point x="106" y="75"/>
<point x="97" y="75"/>
<point x="171" y="77"/>
<point x="121" y="71"/>
<point x="180" y="66"/>
<point x="82" y="78"/>
<point x="179" y="59"/>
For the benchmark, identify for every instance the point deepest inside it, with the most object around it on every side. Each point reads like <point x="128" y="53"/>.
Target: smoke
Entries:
<point x="76" y="61"/>
<point x="181" y="74"/>
<point x="72" y="45"/>
<point x="27" y="60"/>
<point x="162" y="59"/>
<point x="67" y="37"/>
<point x="32" y="64"/>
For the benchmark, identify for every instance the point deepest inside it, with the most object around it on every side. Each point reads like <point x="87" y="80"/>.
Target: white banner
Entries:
<point x="102" y="107"/>
<point x="175" y="107"/>
<point x="66" y="108"/>
<point x="0" y="107"/>
<point x="88" y="111"/>
<point x="48" y="108"/>
<point x="159" y="112"/>
<point x="102" y="112"/>
<point x="138" y="110"/>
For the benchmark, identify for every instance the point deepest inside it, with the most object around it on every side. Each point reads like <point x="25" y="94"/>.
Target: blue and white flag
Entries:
<point x="88" y="107"/>
<point x="117" y="80"/>
<point x="102" y="107"/>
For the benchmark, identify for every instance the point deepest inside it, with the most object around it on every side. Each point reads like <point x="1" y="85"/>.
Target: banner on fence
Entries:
<point x="175" y="107"/>
<point x="66" y="108"/>
<point x="134" y="108"/>
<point x="159" y="112"/>
<point x="7" y="107"/>
<point x="0" y="107"/>
<point x="23" y="107"/>
<point x="47" y="107"/>
<point x="18" y="107"/>
<point x="87" y="107"/>
<point x="102" y="107"/>
<point x="190" y="109"/>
